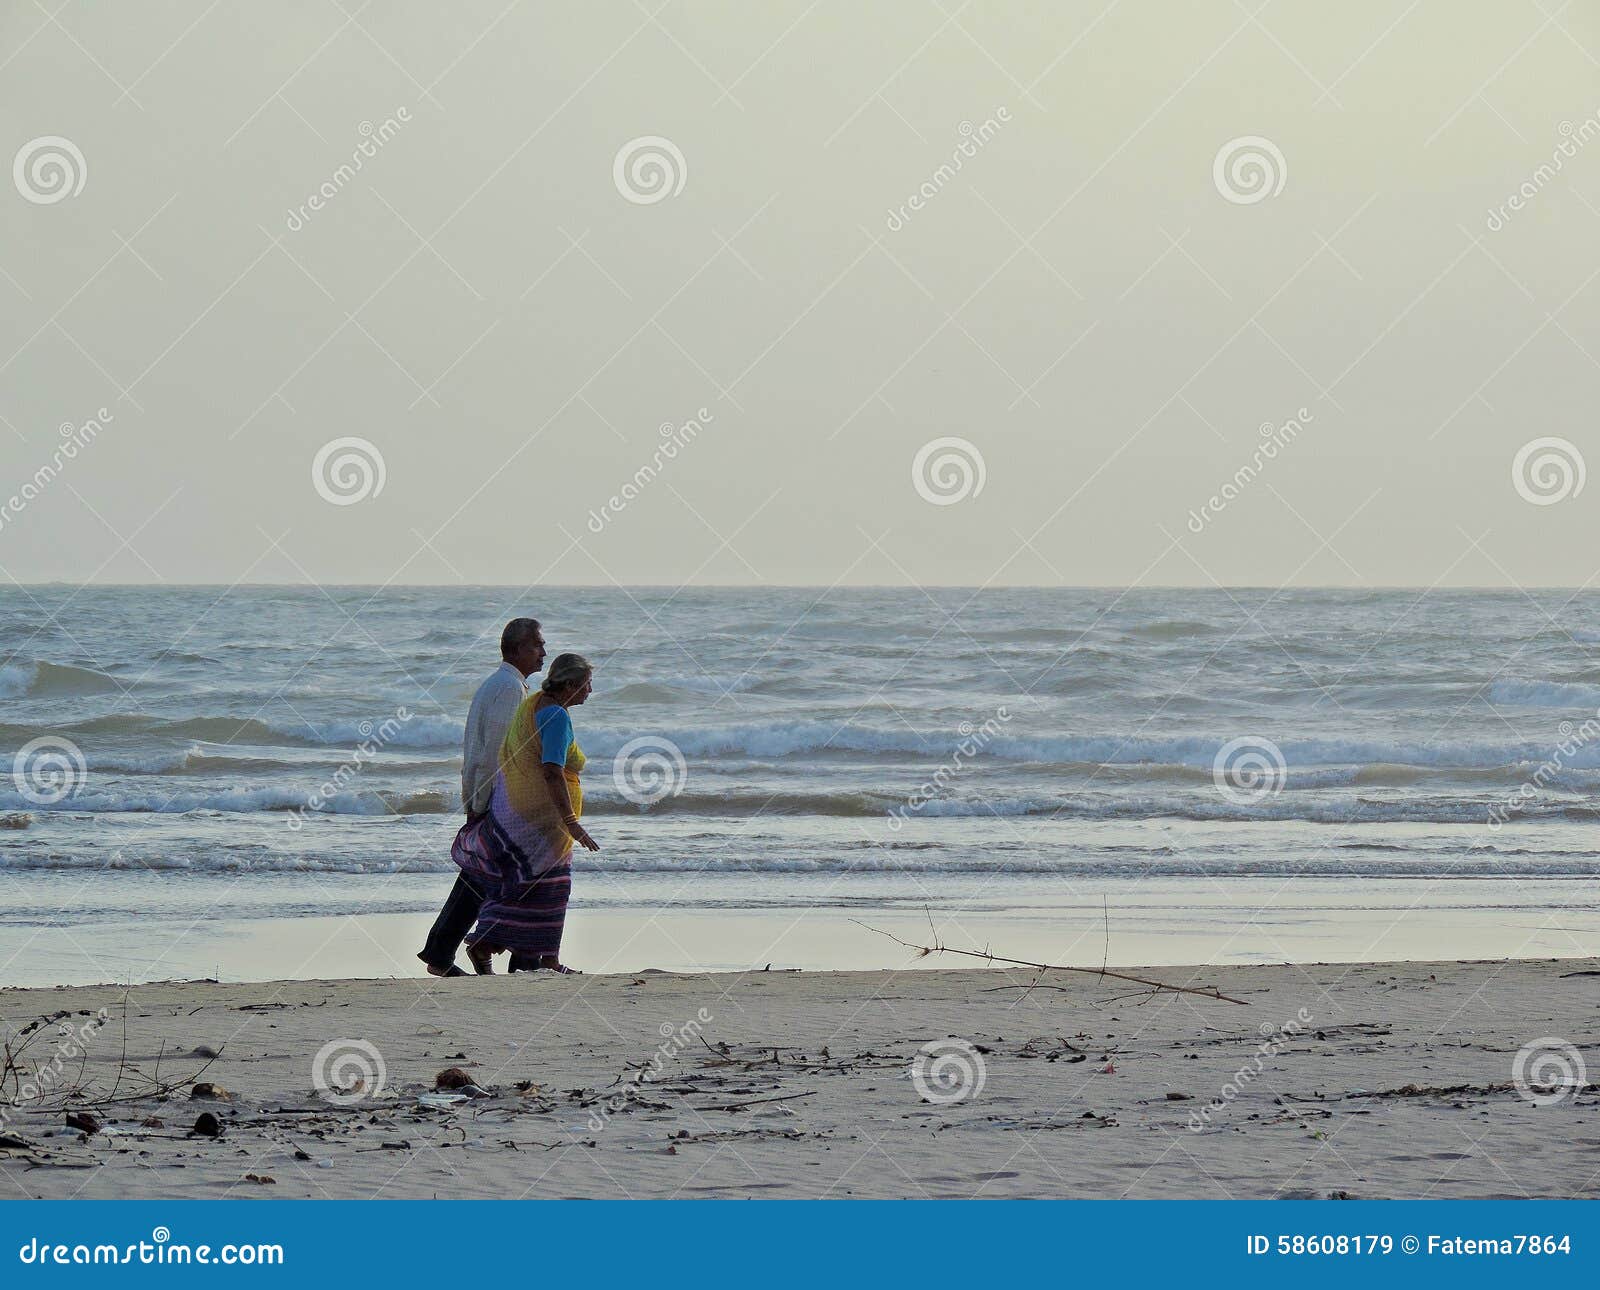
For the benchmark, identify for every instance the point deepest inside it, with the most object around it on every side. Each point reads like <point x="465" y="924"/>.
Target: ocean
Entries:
<point x="1140" y="775"/>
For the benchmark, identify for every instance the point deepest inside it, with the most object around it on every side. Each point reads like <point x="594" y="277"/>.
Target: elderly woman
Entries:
<point x="522" y="849"/>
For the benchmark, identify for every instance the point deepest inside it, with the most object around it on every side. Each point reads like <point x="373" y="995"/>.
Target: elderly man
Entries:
<point x="493" y="706"/>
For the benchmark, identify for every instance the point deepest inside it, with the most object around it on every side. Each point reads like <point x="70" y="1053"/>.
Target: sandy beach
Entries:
<point x="1368" y="1080"/>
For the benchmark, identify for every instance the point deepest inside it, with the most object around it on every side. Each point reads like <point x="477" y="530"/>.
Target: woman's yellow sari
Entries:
<point x="520" y="853"/>
<point x="527" y="796"/>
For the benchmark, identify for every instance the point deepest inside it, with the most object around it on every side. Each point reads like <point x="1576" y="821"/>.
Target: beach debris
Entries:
<point x="262" y="1180"/>
<point x="1088" y="1120"/>
<point x="152" y="1122"/>
<point x="205" y="1090"/>
<point x="767" y="1132"/>
<point x="441" y="1101"/>
<point x="756" y="1101"/>
<point x="988" y="956"/>
<point x="83" y="1121"/>
<point x="205" y="1050"/>
<point x="1180" y="1097"/>
<point x="453" y="1077"/>
<point x="1432" y="1090"/>
<point x="15" y="820"/>
<point x="1110" y="1068"/>
<point x="325" y="1163"/>
<point x="1364" y="1029"/>
<point x="207" y="1125"/>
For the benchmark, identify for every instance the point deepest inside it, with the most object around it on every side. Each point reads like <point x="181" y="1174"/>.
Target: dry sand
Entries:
<point x="1370" y="1080"/>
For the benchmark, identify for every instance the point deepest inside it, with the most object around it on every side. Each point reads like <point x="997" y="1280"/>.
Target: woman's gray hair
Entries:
<point x="565" y="672"/>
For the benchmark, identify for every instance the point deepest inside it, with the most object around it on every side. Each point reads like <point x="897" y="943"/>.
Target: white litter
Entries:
<point x="441" y="1100"/>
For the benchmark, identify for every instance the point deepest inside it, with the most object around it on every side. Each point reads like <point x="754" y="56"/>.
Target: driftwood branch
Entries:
<point x="755" y="1101"/>
<point x="77" y="1093"/>
<point x="1160" y="987"/>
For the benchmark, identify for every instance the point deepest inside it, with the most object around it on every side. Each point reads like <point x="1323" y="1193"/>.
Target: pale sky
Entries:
<point x="1081" y="301"/>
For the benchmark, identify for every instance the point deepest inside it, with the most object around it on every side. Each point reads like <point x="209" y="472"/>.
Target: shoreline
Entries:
<point x="1367" y="1079"/>
<point x="1178" y="921"/>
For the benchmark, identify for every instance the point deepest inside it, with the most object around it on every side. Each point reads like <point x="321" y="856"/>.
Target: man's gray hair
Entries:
<point x="518" y="632"/>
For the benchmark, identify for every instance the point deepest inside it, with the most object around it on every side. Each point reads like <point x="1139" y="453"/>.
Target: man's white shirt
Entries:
<point x="488" y="719"/>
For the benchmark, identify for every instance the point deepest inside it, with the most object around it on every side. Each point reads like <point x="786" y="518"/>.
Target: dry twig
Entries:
<point x="1204" y="992"/>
